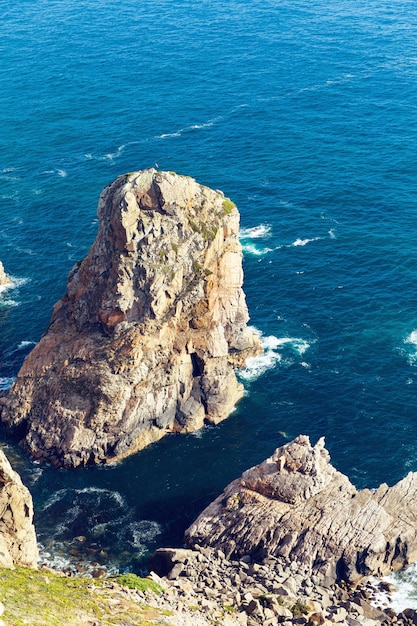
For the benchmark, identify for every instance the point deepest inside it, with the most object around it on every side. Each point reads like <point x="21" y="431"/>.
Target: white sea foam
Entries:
<point x="6" y="382"/>
<point x="404" y="595"/>
<point x="247" y="235"/>
<point x="54" y="498"/>
<point x="251" y="248"/>
<point x="143" y="532"/>
<point x="410" y="347"/>
<point x="107" y="493"/>
<point x="177" y="133"/>
<point x="272" y="355"/>
<point x="181" y="131"/>
<point x="304" y="242"/>
<point x="256" y="232"/>
<point x="56" y="562"/>
<point x="25" y="344"/>
<point x="5" y="289"/>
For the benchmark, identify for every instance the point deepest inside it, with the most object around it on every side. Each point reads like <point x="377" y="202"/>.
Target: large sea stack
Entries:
<point x="147" y="336"/>
<point x="295" y="506"/>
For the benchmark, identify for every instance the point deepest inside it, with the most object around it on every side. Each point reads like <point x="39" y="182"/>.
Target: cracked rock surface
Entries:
<point x="298" y="507"/>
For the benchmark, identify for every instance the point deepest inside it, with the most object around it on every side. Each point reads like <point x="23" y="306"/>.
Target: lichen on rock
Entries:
<point x="147" y="336"/>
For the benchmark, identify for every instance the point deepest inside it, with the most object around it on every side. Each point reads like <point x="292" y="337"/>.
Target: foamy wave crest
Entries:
<point x="410" y="348"/>
<point x="25" y="344"/>
<point x="5" y="289"/>
<point x="143" y="533"/>
<point x="257" y="232"/>
<point x="276" y="350"/>
<point x="5" y="382"/>
<point x="404" y="594"/>
<point x="109" y="156"/>
<point x="250" y="248"/>
<point x="181" y="131"/>
<point x="246" y="236"/>
<point x="304" y="242"/>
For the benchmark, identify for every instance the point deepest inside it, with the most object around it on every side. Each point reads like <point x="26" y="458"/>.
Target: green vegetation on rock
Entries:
<point x="228" y="206"/>
<point x="141" y="584"/>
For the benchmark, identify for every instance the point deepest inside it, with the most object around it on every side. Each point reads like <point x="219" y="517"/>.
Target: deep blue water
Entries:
<point x="304" y="112"/>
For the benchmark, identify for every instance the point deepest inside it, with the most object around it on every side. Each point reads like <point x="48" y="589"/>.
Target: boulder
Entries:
<point x="146" y="339"/>
<point x="17" y="533"/>
<point x="298" y="507"/>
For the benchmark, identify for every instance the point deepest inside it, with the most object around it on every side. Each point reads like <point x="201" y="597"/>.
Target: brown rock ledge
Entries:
<point x="146" y="338"/>
<point x="297" y="507"/>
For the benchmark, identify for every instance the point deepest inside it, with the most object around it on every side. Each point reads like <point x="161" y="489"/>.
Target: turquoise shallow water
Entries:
<point x="304" y="113"/>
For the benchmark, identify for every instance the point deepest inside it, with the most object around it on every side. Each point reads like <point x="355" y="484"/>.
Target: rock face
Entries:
<point x="146" y="338"/>
<point x="17" y="533"/>
<point x="296" y="506"/>
<point x="4" y="279"/>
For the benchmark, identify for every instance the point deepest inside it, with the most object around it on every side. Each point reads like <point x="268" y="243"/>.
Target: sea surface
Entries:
<point x="304" y="112"/>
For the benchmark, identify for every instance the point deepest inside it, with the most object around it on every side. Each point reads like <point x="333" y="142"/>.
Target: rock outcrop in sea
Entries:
<point x="297" y="507"/>
<point x="17" y="533"/>
<point x="4" y="279"/>
<point x="146" y="339"/>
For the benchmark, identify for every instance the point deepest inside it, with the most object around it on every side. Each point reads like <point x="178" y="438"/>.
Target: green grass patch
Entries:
<point x="44" y="598"/>
<point x="141" y="584"/>
<point x="228" y="206"/>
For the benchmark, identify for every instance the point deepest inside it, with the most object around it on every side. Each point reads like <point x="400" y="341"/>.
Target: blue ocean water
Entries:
<point x="305" y="114"/>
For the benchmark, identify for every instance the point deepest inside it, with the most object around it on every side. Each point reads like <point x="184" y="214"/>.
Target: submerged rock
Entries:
<point x="17" y="533"/>
<point x="146" y="339"/>
<point x="297" y="507"/>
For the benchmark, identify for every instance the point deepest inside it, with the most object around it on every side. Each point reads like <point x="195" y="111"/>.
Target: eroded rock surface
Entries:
<point x="146" y="338"/>
<point x="17" y="534"/>
<point x="296" y="506"/>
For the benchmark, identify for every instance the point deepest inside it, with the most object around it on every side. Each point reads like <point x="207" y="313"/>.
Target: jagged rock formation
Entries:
<point x="296" y="506"/>
<point x="146" y="338"/>
<point x="4" y="279"/>
<point x="17" y="534"/>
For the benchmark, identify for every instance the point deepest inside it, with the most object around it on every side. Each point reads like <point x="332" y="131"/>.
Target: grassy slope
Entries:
<point x="38" y="597"/>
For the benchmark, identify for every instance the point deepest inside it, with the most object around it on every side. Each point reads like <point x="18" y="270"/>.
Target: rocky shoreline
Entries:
<point x="268" y="593"/>
<point x="145" y="342"/>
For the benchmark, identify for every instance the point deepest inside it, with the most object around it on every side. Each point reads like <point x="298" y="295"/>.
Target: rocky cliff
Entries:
<point x="297" y="507"/>
<point x="17" y="533"/>
<point x="146" y="339"/>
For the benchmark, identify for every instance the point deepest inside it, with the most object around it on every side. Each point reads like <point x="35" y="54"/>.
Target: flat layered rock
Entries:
<point x="147" y="336"/>
<point x="297" y="506"/>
